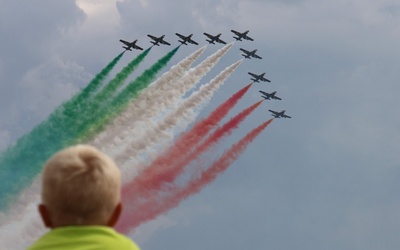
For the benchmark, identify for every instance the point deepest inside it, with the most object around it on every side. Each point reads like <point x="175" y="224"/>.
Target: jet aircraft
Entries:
<point x="258" y="78"/>
<point x="158" y="40"/>
<point x="130" y="46"/>
<point x="280" y="114"/>
<point x="212" y="39"/>
<point x="243" y="35"/>
<point x="249" y="54"/>
<point x="269" y="96"/>
<point x="186" y="39"/>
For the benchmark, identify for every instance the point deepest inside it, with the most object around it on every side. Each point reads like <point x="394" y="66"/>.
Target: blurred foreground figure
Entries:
<point x="81" y="202"/>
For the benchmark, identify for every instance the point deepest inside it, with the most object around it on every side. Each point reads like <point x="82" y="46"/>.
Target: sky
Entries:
<point x="325" y="179"/>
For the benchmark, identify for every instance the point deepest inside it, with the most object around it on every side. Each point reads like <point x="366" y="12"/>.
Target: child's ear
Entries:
<point x="115" y="215"/>
<point x="45" y="214"/>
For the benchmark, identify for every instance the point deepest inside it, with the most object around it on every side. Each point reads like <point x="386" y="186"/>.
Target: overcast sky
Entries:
<point x="325" y="179"/>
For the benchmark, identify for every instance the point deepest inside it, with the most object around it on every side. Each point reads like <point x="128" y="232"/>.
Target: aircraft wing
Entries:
<point x="265" y="79"/>
<point x="253" y="75"/>
<point x="164" y="42"/>
<point x="192" y="42"/>
<point x="208" y="35"/>
<point x="248" y="38"/>
<point x="138" y="47"/>
<point x="264" y="93"/>
<point x="125" y="42"/>
<point x="276" y="98"/>
<point x="286" y="116"/>
<point x="221" y="41"/>
<point x="257" y="56"/>
<point x="152" y="37"/>
<point x="273" y="112"/>
<point x="236" y="32"/>
<point x="245" y="51"/>
<point x="181" y="36"/>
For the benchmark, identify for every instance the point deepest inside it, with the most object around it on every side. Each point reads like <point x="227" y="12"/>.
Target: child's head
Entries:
<point x="80" y="186"/>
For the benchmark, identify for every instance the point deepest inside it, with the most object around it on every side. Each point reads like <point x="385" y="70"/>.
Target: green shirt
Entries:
<point x="83" y="237"/>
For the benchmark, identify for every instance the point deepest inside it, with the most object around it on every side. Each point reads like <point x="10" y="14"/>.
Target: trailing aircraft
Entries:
<point x="258" y="78"/>
<point x="249" y="54"/>
<point x="158" y="40"/>
<point x="130" y="46"/>
<point x="212" y="39"/>
<point x="186" y="39"/>
<point x="243" y="35"/>
<point x="269" y="96"/>
<point x="280" y="114"/>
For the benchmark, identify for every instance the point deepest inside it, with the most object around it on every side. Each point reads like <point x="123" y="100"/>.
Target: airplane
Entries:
<point x="214" y="39"/>
<point x="258" y="78"/>
<point x="269" y="96"/>
<point x="158" y="40"/>
<point x="241" y="35"/>
<point x="280" y="114"/>
<point x="186" y="39"/>
<point x="249" y="54"/>
<point x="130" y="46"/>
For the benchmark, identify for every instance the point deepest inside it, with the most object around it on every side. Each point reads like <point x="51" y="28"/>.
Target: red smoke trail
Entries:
<point x="150" y="210"/>
<point x="148" y="186"/>
<point x="163" y="164"/>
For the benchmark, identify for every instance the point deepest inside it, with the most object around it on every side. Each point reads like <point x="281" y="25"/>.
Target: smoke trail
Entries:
<point x="87" y="128"/>
<point x="145" y="100"/>
<point x="158" y="102"/>
<point x="90" y="107"/>
<point x="185" y="111"/>
<point x="94" y="85"/>
<point x="120" y="78"/>
<point x="166" y="168"/>
<point x="21" y="162"/>
<point x="147" y="211"/>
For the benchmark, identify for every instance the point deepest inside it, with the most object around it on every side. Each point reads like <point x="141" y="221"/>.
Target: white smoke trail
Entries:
<point x="144" y="110"/>
<point x="135" y="109"/>
<point x="21" y="226"/>
<point x="186" y="111"/>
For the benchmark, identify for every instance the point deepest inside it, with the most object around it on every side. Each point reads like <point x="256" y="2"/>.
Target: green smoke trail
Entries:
<point x="20" y="163"/>
<point x="120" y="78"/>
<point x="109" y="111"/>
<point x="95" y="84"/>
<point x="85" y="109"/>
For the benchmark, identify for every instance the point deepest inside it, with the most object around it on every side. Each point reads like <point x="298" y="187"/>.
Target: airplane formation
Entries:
<point x="213" y="39"/>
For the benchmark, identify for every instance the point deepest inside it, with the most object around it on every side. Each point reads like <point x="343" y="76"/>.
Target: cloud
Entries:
<point x="54" y="81"/>
<point x="28" y="30"/>
<point x="4" y="139"/>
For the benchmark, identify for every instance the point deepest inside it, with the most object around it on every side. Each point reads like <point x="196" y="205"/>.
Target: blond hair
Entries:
<point x="81" y="186"/>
